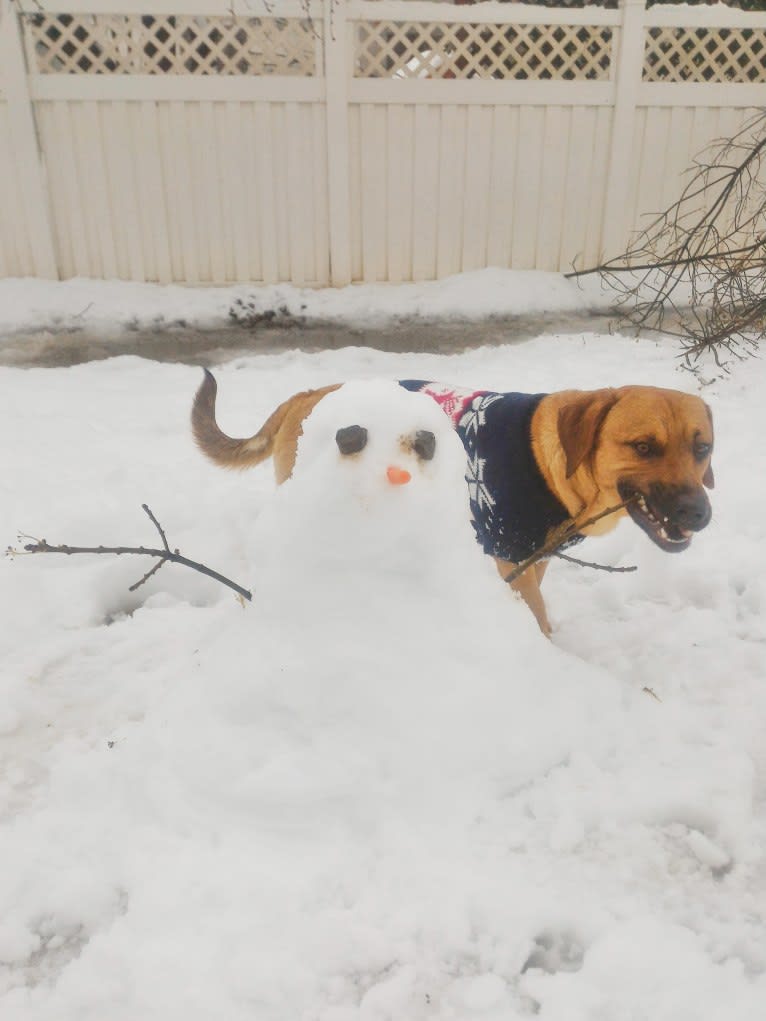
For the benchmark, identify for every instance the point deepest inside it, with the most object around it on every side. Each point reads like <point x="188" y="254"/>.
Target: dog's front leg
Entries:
<point x="528" y="587"/>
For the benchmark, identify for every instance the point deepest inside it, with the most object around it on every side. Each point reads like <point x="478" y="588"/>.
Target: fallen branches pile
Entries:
<point x="698" y="271"/>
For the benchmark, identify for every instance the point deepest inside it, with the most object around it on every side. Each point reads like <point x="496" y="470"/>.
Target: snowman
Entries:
<point x="375" y="513"/>
<point x="380" y="661"/>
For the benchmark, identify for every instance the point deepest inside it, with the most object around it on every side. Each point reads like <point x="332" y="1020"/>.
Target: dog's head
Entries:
<point x="646" y="445"/>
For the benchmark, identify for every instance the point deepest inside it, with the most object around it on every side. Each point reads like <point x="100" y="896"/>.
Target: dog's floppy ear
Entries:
<point x="708" y="479"/>
<point x="579" y="422"/>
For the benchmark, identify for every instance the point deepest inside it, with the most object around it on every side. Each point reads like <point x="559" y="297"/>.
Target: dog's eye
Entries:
<point x="701" y="450"/>
<point x="424" y="444"/>
<point x="644" y="448"/>
<point x="352" y="439"/>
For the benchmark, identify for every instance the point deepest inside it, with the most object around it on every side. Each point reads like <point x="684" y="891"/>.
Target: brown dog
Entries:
<point x="534" y="461"/>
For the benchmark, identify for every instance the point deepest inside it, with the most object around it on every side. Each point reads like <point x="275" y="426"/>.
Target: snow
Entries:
<point x="376" y="792"/>
<point x="114" y="306"/>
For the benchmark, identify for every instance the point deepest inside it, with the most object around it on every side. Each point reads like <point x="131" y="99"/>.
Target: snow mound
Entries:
<point x="377" y="791"/>
<point x="383" y="632"/>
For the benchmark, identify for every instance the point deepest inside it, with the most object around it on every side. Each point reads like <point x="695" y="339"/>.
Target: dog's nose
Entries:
<point x="398" y="476"/>
<point x="692" y="511"/>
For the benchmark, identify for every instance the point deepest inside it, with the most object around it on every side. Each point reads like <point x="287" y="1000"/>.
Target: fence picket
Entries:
<point x="678" y="153"/>
<point x="426" y="191"/>
<point x="654" y="157"/>
<point x="593" y="250"/>
<point x="298" y="161"/>
<point x="251" y="223"/>
<point x="475" y="204"/>
<point x="579" y="166"/>
<point x="264" y="181"/>
<point x="181" y="186"/>
<point x="9" y="255"/>
<point x="400" y="125"/>
<point x="374" y="173"/>
<point x="319" y="204"/>
<point x="96" y="183"/>
<point x="234" y="191"/>
<point x="169" y="158"/>
<point x="143" y="141"/>
<point x="502" y="177"/>
<point x="554" y="190"/>
<point x="280" y="190"/>
<point x="213" y="209"/>
<point x="452" y="161"/>
<point x="74" y="211"/>
<point x="529" y="160"/>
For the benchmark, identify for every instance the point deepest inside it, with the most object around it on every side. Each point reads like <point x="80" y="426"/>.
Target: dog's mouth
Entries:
<point x="663" y="532"/>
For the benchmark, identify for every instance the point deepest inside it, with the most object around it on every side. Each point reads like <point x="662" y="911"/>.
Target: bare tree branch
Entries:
<point x="559" y="536"/>
<point x="147" y="576"/>
<point x="163" y="556"/>
<point x="698" y="271"/>
<point x="596" y="567"/>
<point x="157" y="525"/>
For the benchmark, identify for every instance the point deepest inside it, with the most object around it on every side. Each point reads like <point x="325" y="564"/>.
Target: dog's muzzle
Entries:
<point x="670" y="515"/>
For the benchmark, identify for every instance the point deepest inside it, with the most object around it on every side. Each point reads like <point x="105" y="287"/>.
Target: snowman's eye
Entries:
<point x="352" y="439"/>
<point x="424" y="444"/>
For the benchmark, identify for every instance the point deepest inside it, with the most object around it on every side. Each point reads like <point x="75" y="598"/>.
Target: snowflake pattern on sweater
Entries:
<point x="468" y="426"/>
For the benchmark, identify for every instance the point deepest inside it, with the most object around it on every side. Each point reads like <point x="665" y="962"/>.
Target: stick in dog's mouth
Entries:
<point x="668" y="535"/>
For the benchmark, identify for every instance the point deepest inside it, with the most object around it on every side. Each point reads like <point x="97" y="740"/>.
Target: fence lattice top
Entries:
<point x="705" y="55"/>
<point x="169" y="44"/>
<point x="229" y="45"/>
<point x="410" y="49"/>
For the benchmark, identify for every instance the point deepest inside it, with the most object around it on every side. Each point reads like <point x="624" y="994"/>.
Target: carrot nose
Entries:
<point x="398" y="476"/>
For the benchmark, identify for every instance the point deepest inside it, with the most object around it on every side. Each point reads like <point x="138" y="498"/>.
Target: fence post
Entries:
<point x="630" y="59"/>
<point x="25" y="148"/>
<point x="337" y="69"/>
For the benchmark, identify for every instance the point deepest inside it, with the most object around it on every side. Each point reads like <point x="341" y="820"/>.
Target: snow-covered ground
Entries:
<point x="111" y="306"/>
<point x="376" y="792"/>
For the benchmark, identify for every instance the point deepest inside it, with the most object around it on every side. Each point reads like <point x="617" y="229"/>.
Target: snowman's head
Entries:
<point x="374" y="439"/>
<point x="379" y="474"/>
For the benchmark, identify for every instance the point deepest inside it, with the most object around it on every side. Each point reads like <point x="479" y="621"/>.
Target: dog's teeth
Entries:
<point x="644" y="507"/>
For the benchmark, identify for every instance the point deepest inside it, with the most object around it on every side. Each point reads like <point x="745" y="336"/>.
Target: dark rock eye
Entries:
<point x="424" y="444"/>
<point x="352" y="439"/>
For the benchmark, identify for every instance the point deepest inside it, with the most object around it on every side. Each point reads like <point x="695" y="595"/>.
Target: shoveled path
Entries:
<point x="49" y="349"/>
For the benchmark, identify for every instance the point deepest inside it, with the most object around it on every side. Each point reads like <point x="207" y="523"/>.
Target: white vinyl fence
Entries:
<point x="326" y="141"/>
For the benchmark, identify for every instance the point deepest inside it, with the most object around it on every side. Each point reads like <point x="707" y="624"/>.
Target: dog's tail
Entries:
<point x="226" y="450"/>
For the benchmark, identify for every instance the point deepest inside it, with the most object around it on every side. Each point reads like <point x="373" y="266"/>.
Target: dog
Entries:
<point x="534" y="462"/>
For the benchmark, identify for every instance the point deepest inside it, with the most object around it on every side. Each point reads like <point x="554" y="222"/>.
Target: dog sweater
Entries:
<point x="512" y="508"/>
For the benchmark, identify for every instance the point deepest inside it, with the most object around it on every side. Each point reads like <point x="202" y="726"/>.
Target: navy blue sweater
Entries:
<point x="512" y="508"/>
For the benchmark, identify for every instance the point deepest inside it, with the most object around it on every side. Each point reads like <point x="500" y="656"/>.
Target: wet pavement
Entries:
<point x="50" y="349"/>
